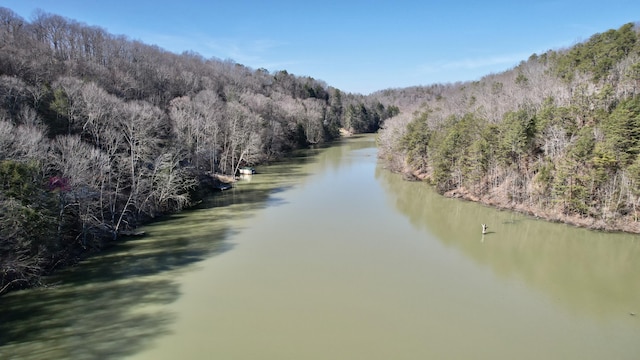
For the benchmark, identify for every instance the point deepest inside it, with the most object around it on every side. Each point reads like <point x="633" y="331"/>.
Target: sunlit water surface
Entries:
<point x="330" y="256"/>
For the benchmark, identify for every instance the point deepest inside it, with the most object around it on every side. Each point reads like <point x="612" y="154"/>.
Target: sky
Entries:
<point x="356" y="46"/>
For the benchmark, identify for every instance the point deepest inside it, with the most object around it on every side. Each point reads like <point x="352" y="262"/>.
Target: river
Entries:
<point x="329" y="256"/>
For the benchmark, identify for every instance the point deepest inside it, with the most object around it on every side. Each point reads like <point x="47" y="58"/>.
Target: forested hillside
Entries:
<point x="99" y="132"/>
<point x="558" y="136"/>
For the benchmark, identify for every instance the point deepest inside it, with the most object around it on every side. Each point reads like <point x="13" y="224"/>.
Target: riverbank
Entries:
<point x="499" y="199"/>
<point x="260" y="257"/>
<point x="206" y="184"/>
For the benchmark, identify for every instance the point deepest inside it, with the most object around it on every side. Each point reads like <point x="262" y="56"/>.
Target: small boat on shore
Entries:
<point x="247" y="170"/>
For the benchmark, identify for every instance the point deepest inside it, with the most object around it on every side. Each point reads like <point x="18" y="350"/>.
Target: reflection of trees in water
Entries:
<point x="90" y="322"/>
<point x="101" y="307"/>
<point x="585" y="270"/>
<point x="97" y="310"/>
<point x="334" y="157"/>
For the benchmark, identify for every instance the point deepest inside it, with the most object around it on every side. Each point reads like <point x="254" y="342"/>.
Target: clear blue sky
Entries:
<point x="356" y="46"/>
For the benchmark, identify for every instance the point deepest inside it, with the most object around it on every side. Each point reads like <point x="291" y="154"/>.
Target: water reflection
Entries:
<point x="103" y="307"/>
<point x="591" y="272"/>
<point x="319" y="259"/>
<point x="91" y="312"/>
<point x="90" y="322"/>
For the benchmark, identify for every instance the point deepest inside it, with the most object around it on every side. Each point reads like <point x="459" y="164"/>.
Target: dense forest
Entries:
<point x="558" y="136"/>
<point x="99" y="133"/>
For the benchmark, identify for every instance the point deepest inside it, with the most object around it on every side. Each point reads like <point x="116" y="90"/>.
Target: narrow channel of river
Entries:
<point x="330" y="256"/>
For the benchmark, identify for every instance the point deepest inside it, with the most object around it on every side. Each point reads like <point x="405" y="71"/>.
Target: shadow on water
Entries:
<point x="85" y="323"/>
<point x="91" y="311"/>
<point x="110" y="305"/>
<point x="587" y="271"/>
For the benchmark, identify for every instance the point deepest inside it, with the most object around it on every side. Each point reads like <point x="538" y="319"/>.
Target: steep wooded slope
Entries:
<point x="557" y="136"/>
<point x="99" y="132"/>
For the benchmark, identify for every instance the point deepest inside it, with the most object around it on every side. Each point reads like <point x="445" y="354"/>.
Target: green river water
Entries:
<point x="330" y="256"/>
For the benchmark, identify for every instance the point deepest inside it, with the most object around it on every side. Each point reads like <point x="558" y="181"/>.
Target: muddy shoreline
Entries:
<point x="497" y="199"/>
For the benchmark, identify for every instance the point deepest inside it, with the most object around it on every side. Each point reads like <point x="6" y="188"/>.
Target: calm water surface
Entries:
<point x="329" y="256"/>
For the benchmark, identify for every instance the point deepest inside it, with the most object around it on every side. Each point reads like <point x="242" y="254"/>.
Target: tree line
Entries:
<point x="99" y="133"/>
<point x="557" y="136"/>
